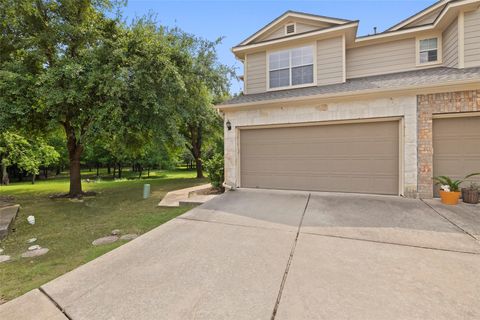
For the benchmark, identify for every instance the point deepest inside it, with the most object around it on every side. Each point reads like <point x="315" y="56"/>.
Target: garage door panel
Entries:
<point x="322" y="165"/>
<point x="452" y="147"/>
<point x="456" y="147"/>
<point x="360" y="157"/>
<point x="332" y="182"/>
<point x="325" y="147"/>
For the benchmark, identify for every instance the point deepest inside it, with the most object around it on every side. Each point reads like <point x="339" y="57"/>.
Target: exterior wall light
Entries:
<point x="229" y="125"/>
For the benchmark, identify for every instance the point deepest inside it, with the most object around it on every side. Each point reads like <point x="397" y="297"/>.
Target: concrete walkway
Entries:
<point x="32" y="305"/>
<point x="188" y="196"/>
<point x="256" y="254"/>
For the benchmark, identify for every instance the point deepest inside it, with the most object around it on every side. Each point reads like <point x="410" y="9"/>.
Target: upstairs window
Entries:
<point x="293" y="67"/>
<point x="428" y="50"/>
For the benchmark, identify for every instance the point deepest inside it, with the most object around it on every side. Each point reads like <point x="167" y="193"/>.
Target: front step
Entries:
<point x="196" y="200"/>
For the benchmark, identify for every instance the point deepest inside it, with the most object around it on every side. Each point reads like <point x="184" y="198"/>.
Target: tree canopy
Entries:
<point x="78" y="65"/>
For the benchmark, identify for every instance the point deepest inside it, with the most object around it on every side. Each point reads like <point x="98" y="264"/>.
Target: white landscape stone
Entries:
<point x="129" y="236"/>
<point x="35" y="247"/>
<point x="31" y="240"/>
<point x="115" y="232"/>
<point x="31" y="220"/>
<point x="35" y="253"/>
<point x="105" y="240"/>
<point x="4" y="258"/>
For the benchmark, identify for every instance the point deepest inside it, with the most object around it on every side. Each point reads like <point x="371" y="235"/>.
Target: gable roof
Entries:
<point x="437" y="6"/>
<point x="409" y="80"/>
<point x="291" y="14"/>
<point x="445" y="16"/>
<point x="352" y="26"/>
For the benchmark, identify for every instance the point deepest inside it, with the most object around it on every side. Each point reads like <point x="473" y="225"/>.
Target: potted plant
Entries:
<point x="449" y="188"/>
<point x="471" y="194"/>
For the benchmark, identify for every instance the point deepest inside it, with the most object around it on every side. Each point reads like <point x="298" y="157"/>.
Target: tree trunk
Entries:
<point x="114" y="171"/>
<point x="98" y="169"/>
<point x="75" y="150"/>
<point x="119" y="171"/>
<point x="108" y="169"/>
<point x="196" y="149"/>
<point x="148" y="172"/>
<point x="33" y="178"/>
<point x="5" y="179"/>
<point x="199" y="165"/>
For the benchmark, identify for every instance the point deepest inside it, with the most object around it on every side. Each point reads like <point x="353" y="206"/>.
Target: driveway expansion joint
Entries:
<point x="232" y="224"/>
<point x="55" y="303"/>
<point x="390" y="243"/>
<point x="289" y="262"/>
<point x="453" y="223"/>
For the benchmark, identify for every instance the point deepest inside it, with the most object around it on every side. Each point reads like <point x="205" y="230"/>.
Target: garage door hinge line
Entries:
<point x="289" y="262"/>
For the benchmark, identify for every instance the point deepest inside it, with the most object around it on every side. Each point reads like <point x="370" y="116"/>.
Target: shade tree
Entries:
<point x="74" y="64"/>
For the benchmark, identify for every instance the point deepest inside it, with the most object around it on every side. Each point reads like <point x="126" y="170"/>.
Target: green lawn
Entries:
<point x="67" y="228"/>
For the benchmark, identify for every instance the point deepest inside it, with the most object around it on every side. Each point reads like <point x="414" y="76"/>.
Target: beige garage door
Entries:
<point x="456" y="147"/>
<point x="360" y="157"/>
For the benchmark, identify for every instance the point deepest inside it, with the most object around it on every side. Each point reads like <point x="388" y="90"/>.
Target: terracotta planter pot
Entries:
<point x="470" y="196"/>
<point x="450" y="198"/>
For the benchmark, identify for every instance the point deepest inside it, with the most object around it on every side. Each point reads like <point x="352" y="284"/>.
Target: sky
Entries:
<point x="236" y="20"/>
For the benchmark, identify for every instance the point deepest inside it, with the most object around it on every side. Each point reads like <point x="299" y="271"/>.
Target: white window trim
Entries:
<point x="314" y="83"/>
<point x="439" y="50"/>
<point x="294" y="24"/>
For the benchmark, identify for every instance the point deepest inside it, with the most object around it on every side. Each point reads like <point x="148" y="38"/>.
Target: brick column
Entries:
<point x="427" y="106"/>
<point x="425" y="146"/>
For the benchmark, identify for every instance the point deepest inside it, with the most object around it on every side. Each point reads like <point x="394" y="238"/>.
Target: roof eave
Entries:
<point x="291" y="13"/>
<point x="432" y="26"/>
<point x="418" y="15"/>
<point x="238" y="50"/>
<point x="451" y="85"/>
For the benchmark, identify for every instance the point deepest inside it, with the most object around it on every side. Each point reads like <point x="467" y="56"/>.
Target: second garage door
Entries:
<point x="456" y="148"/>
<point x="357" y="157"/>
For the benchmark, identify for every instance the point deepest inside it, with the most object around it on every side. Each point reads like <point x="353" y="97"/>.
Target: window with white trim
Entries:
<point x="291" y="67"/>
<point x="428" y="50"/>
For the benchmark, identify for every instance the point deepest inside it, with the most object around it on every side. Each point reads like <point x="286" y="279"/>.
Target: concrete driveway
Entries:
<point x="257" y="254"/>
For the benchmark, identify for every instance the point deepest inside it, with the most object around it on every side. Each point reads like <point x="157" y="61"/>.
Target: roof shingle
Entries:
<point x="402" y="80"/>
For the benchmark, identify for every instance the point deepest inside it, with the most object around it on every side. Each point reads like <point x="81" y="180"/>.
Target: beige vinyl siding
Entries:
<point x="429" y="18"/>
<point x="381" y="58"/>
<point x="330" y="61"/>
<point x="300" y="27"/>
<point x="277" y="33"/>
<point x="303" y="27"/>
<point x="256" y="73"/>
<point x="450" y="45"/>
<point x="472" y="38"/>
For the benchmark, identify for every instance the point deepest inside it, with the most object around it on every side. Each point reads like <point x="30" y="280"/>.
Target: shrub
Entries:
<point x="215" y="170"/>
<point x="448" y="184"/>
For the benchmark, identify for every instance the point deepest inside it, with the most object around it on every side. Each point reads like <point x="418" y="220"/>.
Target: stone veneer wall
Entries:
<point x="428" y="105"/>
<point x="405" y="107"/>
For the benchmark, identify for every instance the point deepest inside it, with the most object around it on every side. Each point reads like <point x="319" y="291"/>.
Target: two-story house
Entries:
<point x="326" y="110"/>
